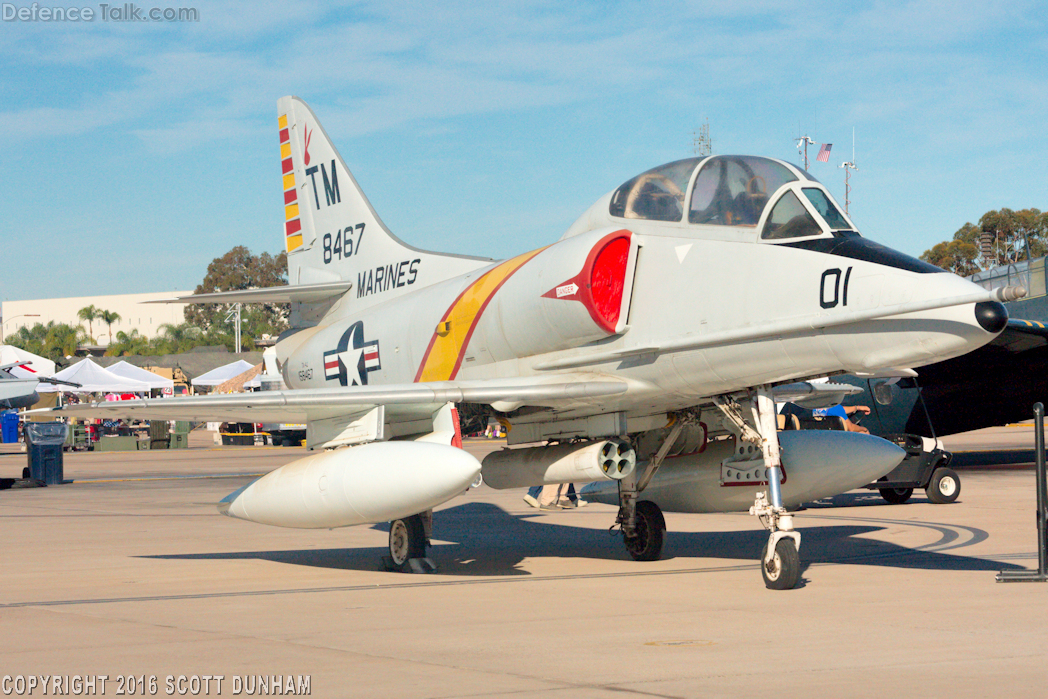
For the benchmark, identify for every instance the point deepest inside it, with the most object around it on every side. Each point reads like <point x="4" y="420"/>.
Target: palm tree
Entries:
<point x="127" y="343"/>
<point x="54" y="340"/>
<point x="90" y="314"/>
<point x="109" y="317"/>
<point x="63" y="340"/>
<point x="177" y="338"/>
<point x="31" y="339"/>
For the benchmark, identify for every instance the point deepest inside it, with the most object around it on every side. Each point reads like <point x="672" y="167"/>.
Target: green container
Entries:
<point x="117" y="444"/>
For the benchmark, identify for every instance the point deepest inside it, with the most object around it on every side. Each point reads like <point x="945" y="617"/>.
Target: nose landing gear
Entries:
<point x="780" y="560"/>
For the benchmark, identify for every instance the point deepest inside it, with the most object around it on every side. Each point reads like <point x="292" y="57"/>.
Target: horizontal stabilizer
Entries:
<point x="309" y="293"/>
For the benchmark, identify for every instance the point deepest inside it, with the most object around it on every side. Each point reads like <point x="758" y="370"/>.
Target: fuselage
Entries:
<point x="664" y="281"/>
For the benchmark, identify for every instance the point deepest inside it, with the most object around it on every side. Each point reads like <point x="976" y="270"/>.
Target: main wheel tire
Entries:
<point x="944" y="487"/>
<point x="407" y="539"/>
<point x="783" y="572"/>
<point x="649" y="535"/>
<point x="896" y="496"/>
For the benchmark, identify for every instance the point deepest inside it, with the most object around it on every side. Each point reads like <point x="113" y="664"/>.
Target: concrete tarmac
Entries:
<point x="129" y="570"/>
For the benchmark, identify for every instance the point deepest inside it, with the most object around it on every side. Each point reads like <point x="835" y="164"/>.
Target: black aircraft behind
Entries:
<point x="996" y="384"/>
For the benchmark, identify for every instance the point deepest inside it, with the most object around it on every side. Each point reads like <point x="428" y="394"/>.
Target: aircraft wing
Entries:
<point x="401" y="401"/>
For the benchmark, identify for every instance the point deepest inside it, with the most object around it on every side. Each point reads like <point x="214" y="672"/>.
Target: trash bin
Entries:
<point x="44" y="441"/>
<point x="9" y="426"/>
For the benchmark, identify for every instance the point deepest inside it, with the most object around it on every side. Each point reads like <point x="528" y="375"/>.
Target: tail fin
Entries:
<point x="332" y="233"/>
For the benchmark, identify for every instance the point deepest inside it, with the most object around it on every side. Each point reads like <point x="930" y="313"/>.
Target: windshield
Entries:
<point x="826" y="209"/>
<point x="733" y="190"/>
<point x="656" y="195"/>
<point x="789" y="219"/>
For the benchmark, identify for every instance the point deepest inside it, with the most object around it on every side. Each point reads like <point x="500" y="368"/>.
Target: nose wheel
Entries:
<point x="781" y="570"/>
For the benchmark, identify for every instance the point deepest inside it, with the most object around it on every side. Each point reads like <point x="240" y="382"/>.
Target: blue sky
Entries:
<point x="138" y="152"/>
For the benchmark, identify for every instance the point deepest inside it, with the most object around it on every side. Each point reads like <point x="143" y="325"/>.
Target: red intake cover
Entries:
<point x="599" y="285"/>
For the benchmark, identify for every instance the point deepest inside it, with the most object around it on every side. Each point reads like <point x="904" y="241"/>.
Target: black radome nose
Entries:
<point x="992" y="316"/>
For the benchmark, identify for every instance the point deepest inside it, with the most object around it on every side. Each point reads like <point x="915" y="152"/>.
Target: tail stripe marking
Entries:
<point x="448" y="345"/>
<point x="293" y="224"/>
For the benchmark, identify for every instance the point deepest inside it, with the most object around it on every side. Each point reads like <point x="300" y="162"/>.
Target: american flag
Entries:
<point x="824" y="153"/>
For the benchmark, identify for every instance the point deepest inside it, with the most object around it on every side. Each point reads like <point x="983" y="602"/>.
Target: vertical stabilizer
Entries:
<point x="332" y="233"/>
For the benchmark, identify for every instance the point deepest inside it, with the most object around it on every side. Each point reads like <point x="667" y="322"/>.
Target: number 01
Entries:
<point x="831" y="291"/>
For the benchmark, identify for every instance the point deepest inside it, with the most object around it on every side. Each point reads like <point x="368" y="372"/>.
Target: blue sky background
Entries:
<point x="138" y="152"/>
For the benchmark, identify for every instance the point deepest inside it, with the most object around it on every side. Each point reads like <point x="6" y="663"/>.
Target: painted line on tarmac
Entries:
<point x="360" y="588"/>
<point x="179" y="452"/>
<point x="167" y="478"/>
<point x="949" y="534"/>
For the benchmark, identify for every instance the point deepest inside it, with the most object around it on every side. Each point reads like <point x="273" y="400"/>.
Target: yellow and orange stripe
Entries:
<point x="448" y="345"/>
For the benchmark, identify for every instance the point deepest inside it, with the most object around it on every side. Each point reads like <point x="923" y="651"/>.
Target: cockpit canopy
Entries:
<point x="733" y="190"/>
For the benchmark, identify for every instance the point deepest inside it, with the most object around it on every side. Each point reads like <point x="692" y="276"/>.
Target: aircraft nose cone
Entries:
<point x="992" y="316"/>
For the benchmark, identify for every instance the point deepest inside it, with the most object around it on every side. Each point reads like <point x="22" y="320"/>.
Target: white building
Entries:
<point x="134" y="313"/>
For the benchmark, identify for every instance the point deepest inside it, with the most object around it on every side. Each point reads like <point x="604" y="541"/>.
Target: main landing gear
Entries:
<point x="643" y="526"/>
<point x="649" y="532"/>
<point x="408" y="539"/>
<point x="780" y="560"/>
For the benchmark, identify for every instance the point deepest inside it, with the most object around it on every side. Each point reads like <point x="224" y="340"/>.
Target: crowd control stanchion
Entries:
<point x="1041" y="574"/>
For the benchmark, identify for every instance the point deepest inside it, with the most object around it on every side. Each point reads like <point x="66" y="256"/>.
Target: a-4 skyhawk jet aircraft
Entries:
<point x="659" y="328"/>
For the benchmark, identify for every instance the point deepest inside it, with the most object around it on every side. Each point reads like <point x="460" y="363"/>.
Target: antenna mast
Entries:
<point x="701" y="144"/>
<point x="802" y="147"/>
<point x="234" y="317"/>
<point x="848" y="167"/>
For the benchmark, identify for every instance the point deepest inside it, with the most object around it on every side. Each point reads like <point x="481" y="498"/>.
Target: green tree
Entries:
<point x="1012" y="236"/>
<point x="960" y="255"/>
<point x="109" y="317"/>
<point x="174" y="339"/>
<point x="54" y="340"/>
<point x="954" y="256"/>
<point x="128" y="343"/>
<point x="89" y="314"/>
<point x="236" y="270"/>
<point x="1015" y="235"/>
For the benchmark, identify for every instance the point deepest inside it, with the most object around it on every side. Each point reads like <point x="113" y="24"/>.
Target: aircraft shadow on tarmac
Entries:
<point x="485" y="540"/>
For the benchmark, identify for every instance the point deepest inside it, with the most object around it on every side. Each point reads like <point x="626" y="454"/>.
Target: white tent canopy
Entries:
<point x="93" y="378"/>
<point x="222" y="374"/>
<point x="38" y="366"/>
<point x="130" y="371"/>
